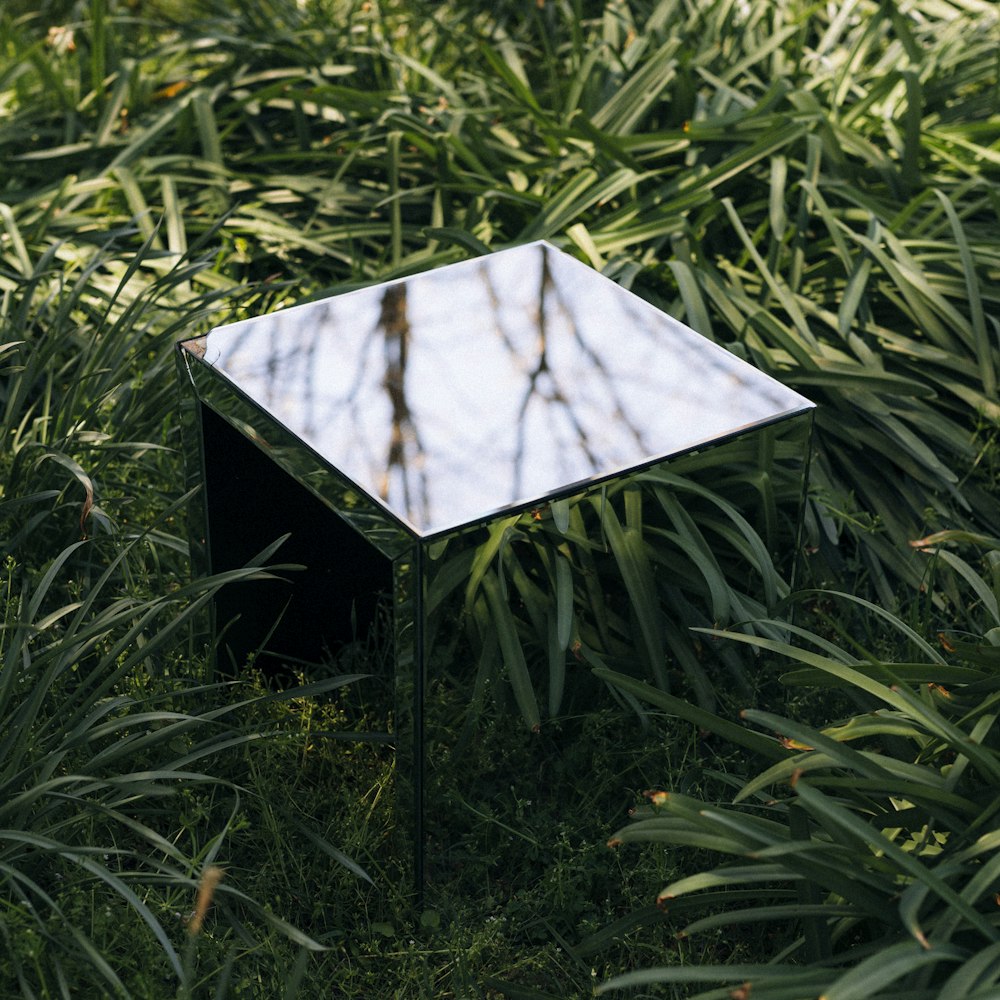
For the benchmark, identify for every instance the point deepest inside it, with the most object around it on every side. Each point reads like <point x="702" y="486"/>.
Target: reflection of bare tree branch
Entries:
<point x="543" y="384"/>
<point x="610" y="383"/>
<point x="354" y="402"/>
<point x="495" y="309"/>
<point x="309" y="390"/>
<point x="395" y="326"/>
<point x="538" y="377"/>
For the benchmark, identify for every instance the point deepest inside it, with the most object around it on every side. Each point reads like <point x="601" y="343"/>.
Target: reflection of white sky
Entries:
<point x="625" y="383"/>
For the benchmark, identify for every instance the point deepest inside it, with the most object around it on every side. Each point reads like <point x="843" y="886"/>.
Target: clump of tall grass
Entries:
<point x="871" y="840"/>
<point x="101" y="733"/>
<point x="107" y="732"/>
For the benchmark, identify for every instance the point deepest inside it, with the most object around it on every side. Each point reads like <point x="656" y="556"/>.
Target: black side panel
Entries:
<point x="250" y="503"/>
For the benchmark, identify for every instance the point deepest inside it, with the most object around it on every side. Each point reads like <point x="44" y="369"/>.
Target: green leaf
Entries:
<point x="888" y="966"/>
<point x="691" y="713"/>
<point x="838" y="817"/>
<point x="510" y="647"/>
<point x="564" y="600"/>
<point x="632" y="557"/>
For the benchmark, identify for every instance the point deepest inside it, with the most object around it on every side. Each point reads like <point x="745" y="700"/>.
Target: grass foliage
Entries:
<point x="876" y="835"/>
<point x="814" y="186"/>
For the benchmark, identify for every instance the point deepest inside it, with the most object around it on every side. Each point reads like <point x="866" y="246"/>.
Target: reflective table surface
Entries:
<point x="491" y="384"/>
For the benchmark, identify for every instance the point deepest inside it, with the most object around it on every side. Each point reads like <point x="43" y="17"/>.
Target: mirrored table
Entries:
<point x="441" y="451"/>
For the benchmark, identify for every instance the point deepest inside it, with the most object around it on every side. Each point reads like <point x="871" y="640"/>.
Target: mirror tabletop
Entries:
<point x="491" y="384"/>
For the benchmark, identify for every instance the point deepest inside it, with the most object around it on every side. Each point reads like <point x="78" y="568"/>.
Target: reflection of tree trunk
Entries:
<point x="395" y="327"/>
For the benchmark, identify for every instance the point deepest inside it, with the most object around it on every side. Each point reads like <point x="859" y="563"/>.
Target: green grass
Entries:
<point x="876" y="834"/>
<point x="816" y="188"/>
